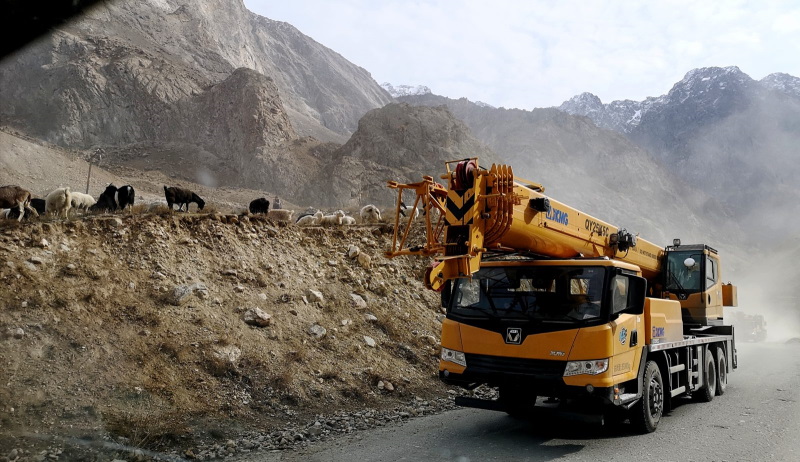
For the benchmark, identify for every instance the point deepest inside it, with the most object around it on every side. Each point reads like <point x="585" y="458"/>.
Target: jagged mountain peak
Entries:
<point x="405" y="90"/>
<point x="782" y="82"/>
<point x="583" y="102"/>
<point x="705" y="79"/>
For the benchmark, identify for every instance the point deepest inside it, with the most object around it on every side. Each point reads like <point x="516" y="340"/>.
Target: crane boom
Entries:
<point x="491" y="210"/>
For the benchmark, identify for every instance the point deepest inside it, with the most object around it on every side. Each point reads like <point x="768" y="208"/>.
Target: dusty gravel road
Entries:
<point x="757" y="419"/>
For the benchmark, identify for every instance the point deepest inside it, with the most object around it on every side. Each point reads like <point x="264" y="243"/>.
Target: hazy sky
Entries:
<point x="530" y="53"/>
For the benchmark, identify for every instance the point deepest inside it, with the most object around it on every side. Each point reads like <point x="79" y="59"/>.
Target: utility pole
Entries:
<point x="96" y="157"/>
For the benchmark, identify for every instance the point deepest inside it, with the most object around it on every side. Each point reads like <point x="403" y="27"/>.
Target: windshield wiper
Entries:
<point x="675" y="279"/>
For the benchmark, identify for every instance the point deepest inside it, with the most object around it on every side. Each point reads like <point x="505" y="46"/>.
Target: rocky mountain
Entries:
<point x="783" y="83"/>
<point x="397" y="142"/>
<point x="593" y="169"/>
<point x="118" y="74"/>
<point x="718" y="129"/>
<point x="204" y="91"/>
<point x="716" y="91"/>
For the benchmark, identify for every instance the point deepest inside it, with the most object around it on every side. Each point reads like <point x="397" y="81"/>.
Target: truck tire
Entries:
<point x="722" y="372"/>
<point x="516" y="401"/>
<point x="646" y="413"/>
<point x="706" y="394"/>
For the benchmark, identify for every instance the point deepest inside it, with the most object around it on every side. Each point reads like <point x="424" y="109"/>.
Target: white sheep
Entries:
<point x="58" y="202"/>
<point x="348" y="220"/>
<point x="407" y="211"/>
<point x="334" y="219"/>
<point x="81" y="201"/>
<point x="370" y="214"/>
<point x="280" y="214"/>
<point x="309" y="220"/>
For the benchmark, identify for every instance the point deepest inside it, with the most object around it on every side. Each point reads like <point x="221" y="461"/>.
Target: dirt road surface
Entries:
<point x="757" y="419"/>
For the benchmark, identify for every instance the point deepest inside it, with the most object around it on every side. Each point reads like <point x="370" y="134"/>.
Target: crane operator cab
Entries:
<point x="692" y="277"/>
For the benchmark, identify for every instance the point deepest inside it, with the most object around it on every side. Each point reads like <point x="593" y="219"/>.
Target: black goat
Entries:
<point x="260" y="205"/>
<point x="125" y="196"/>
<point x="107" y="202"/>
<point x="180" y="196"/>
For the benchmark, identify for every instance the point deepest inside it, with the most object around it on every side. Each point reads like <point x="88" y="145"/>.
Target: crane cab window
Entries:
<point x="712" y="272"/>
<point x="681" y="278"/>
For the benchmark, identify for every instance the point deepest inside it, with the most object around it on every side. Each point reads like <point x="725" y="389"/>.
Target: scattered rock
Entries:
<point x="257" y="317"/>
<point x="228" y="353"/>
<point x="263" y="296"/>
<point x="229" y="272"/>
<point x="44" y="243"/>
<point x="200" y="290"/>
<point x="388" y="386"/>
<point x="353" y="251"/>
<point x="317" y="331"/>
<point x="114" y="222"/>
<point x="239" y="288"/>
<point x="36" y="260"/>
<point x="332" y="263"/>
<point x="364" y="260"/>
<point x="314" y="296"/>
<point x="179" y="295"/>
<point x="358" y="301"/>
<point x="371" y="317"/>
<point x="369" y="341"/>
<point x="17" y="333"/>
<point x="346" y="322"/>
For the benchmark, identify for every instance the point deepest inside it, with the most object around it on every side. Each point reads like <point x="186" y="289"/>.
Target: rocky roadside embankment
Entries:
<point x="206" y="335"/>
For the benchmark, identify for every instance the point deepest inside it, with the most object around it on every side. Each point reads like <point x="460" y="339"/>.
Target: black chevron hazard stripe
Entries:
<point x="459" y="212"/>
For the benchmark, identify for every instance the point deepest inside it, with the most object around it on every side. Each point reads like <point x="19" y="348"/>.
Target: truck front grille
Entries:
<point x="539" y="368"/>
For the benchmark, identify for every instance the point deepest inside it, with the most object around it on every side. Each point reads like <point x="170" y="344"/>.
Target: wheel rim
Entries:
<point x="656" y="395"/>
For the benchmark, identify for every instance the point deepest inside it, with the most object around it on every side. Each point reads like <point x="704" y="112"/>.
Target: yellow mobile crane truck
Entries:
<point x="544" y="301"/>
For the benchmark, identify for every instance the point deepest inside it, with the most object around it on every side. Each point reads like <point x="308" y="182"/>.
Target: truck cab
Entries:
<point x="557" y="328"/>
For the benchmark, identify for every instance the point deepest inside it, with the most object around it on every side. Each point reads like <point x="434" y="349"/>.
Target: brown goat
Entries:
<point x="13" y="196"/>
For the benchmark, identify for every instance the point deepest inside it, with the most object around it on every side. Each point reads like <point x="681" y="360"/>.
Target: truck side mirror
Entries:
<point x="638" y="289"/>
<point x="447" y="291"/>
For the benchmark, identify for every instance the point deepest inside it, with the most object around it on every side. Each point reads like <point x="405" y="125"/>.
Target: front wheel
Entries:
<point x="646" y="414"/>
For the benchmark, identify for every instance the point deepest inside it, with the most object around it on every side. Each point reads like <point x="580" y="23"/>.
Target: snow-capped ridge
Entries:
<point x="705" y="86"/>
<point x="405" y="90"/>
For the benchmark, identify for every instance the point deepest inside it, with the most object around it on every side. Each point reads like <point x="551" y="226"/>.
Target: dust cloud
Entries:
<point x="769" y="288"/>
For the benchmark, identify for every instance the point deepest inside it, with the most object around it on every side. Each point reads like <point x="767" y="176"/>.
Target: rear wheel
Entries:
<point x="706" y="394"/>
<point x="722" y="372"/>
<point x="646" y="414"/>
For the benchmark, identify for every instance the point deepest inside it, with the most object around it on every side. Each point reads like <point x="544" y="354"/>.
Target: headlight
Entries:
<point x="590" y="367"/>
<point x="454" y="357"/>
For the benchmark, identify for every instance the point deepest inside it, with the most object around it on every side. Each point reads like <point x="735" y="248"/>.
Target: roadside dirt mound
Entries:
<point x="134" y="326"/>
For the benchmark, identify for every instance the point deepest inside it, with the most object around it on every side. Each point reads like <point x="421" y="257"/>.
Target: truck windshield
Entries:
<point x="546" y="293"/>
<point x="683" y="279"/>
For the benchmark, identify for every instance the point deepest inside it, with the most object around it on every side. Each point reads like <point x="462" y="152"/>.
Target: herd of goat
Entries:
<point x="15" y="201"/>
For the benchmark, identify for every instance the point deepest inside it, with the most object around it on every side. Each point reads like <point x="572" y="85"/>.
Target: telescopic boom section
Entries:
<point x="491" y="210"/>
